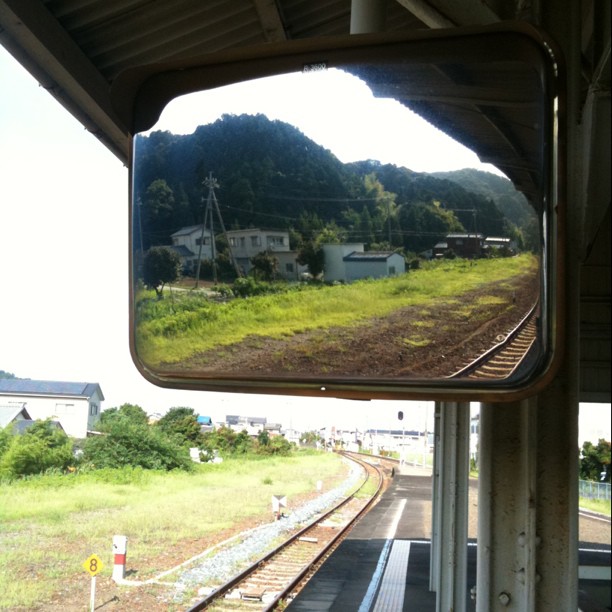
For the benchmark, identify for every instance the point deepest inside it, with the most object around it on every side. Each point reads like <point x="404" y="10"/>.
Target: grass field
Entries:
<point x="185" y="323"/>
<point x="50" y="524"/>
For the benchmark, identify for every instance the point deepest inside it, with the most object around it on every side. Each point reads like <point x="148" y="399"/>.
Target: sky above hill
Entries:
<point x="64" y="263"/>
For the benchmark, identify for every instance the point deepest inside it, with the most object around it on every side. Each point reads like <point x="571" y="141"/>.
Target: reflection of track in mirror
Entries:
<point x="502" y="360"/>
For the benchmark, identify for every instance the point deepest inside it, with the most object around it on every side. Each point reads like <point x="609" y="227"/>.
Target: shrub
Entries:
<point x="40" y="448"/>
<point x="129" y="444"/>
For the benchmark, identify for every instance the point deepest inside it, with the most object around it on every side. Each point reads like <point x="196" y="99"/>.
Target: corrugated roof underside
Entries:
<point x="117" y="34"/>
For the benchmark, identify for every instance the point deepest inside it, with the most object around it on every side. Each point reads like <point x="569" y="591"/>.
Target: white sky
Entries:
<point x="64" y="270"/>
<point x="336" y="110"/>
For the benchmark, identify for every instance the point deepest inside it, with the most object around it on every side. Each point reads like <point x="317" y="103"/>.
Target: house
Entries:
<point x="12" y="413"/>
<point x="349" y="262"/>
<point x="335" y="267"/>
<point x="186" y="242"/>
<point x="374" y="264"/>
<point x="246" y="243"/>
<point x="288" y="266"/>
<point x="462" y="245"/>
<point x="498" y="243"/>
<point x="75" y="405"/>
<point x="252" y="425"/>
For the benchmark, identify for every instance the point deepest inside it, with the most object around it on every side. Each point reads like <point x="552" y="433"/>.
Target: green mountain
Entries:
<point x="269" y="174"/>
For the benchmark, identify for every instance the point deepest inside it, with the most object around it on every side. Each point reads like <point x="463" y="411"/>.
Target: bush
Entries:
<point x="40" y="448"/>
<point x="129" y="444"/>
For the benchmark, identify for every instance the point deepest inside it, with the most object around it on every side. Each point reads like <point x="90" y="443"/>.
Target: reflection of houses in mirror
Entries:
<point x="349" y="262"/>
<point x="187" y="241"/>
<point x="246" y="243"/>
<point x="462" y="245"/>
<point x="471" y="246"/>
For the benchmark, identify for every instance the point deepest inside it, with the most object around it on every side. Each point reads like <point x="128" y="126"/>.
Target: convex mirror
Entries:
<point x="371" y="216"/>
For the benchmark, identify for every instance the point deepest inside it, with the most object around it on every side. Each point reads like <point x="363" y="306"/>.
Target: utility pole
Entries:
<point x="211" y="201"/>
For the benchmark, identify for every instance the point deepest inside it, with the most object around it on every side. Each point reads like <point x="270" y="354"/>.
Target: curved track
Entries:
<point x="277" y="576"/>
<point x="502" y="360"/>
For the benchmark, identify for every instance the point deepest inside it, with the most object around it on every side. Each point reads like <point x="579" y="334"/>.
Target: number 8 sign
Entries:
<point x="93" y="565"/>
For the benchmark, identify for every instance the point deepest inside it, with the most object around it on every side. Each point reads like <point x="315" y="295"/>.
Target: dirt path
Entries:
<point x="414" y="342"/>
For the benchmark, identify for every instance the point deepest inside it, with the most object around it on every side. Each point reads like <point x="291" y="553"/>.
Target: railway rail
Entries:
<point x="503" y="359"/>
<point x="276" y="577"/>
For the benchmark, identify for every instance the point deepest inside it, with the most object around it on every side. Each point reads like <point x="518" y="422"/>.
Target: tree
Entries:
<point x="595" y="461"/>
<point x="425" y="224"/>
<point x="265" y="266"/>
<point x="182" y="423"/>
<point x="161" y="265"/>
<point x="128" y="412"/>
<point x="157" y="207"/>
<point x="227" y="441"/>
<point x="310" y="438"/>
<point x="311" y="255"/>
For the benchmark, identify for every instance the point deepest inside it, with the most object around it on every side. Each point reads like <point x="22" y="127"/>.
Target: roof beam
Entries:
<point x="426" y="13"/>
<point x="36" y="39"/>
<point x="271" y="20"/>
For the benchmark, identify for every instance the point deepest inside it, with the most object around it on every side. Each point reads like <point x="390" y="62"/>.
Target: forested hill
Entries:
<point x="271" y="175"/>
<point x="513" y="203"/>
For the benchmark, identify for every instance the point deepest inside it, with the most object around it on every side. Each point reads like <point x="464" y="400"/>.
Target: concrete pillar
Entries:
<point x="367" y="16"/>
<point x="452" y="506"/>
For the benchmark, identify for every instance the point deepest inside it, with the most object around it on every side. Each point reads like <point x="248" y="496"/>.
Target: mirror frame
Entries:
<point x="140" y="94"/>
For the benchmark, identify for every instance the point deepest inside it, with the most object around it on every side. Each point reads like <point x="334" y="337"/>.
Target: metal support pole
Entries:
<point x="527" y="536"/>
<point x="453" y="503"/>
<point x="434" y="560"/>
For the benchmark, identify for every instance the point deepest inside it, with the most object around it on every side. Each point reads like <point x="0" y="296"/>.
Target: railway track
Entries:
<point x="276" y="577"/>
<point x="502" y="360"/>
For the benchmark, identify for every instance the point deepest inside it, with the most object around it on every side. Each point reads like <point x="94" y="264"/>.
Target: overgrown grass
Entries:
<point x="50" y="524"/>
<point x="172" y="330"/>
<point x="596" y="505"/>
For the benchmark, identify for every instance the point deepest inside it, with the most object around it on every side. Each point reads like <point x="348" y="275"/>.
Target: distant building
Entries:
<point x="349" y="262"/>
<point x="335" y="267"/>
<point x="493" y="243"/>
<point x="76" y="406"/>
<point x="252" y="425"/>
<point x="13" y="413"/>
<point x="246" y="243"/>
<point x="462" y="245"/>
<point x="374" y="264"/>
<point x="186" y="242"/>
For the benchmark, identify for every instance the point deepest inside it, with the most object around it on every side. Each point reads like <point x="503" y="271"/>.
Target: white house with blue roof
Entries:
<point x="77" y="406"/>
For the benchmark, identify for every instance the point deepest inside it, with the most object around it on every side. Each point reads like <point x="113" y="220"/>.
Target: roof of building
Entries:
<point x="9" y="412"/>
<point x="185" y="231"/>
<point x="254" y="230"/>
<point x="182" y="250"/>
<point x="20" y="427"/>
<point x="369" y="256"/>
<point x="26" y="386"/>
<point x="470" y="235"/>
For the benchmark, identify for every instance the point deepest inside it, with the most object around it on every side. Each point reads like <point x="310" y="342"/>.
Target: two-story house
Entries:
<point x="247" y="243"/>
<point x="189" y="242"/>
<point x="77" y="406"/>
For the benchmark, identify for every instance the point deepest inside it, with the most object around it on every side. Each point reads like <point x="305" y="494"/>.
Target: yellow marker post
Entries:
<point x="93" y="565"/>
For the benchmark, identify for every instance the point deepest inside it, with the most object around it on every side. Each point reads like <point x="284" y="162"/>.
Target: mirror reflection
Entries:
<point x="298" y="226"/>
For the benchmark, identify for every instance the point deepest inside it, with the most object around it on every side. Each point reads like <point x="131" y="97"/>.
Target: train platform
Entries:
<point x="383" y="563"/>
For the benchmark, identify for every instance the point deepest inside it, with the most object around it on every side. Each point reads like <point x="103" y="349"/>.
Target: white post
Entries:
<point x="120" y="554"/>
